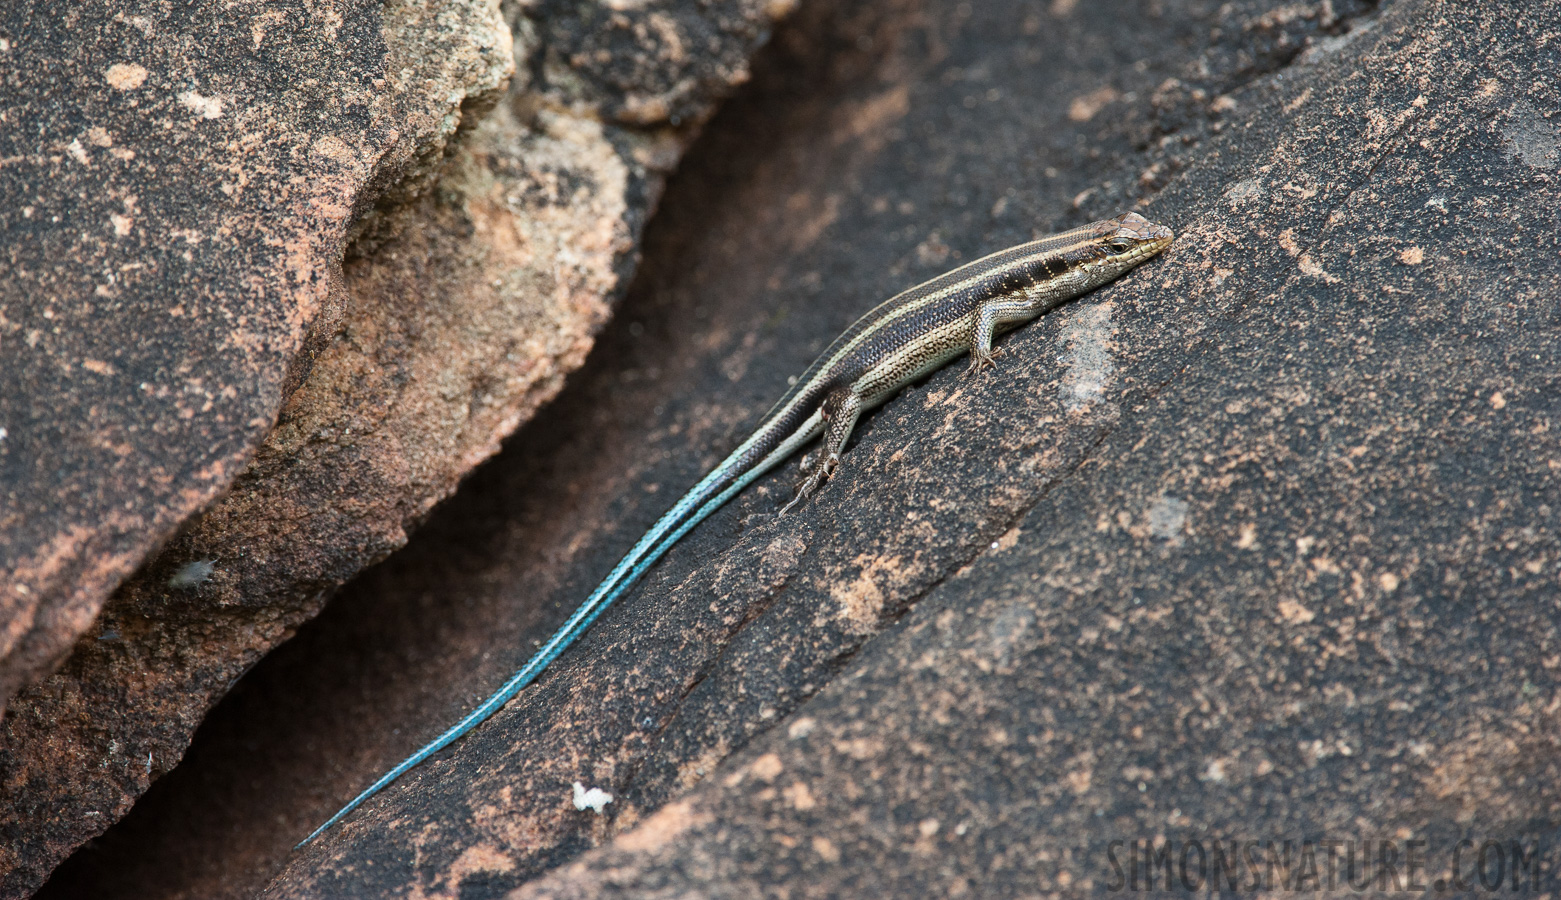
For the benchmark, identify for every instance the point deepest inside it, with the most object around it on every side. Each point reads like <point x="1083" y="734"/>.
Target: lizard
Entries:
<point x="898" y="342"/>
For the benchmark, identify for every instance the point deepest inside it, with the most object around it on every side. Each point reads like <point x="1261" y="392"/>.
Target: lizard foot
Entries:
<point x="980" y="361"/>
<point x="814" y="480"/>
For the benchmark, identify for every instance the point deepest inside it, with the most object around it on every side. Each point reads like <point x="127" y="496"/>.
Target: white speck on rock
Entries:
<point x="193" y="574"/>
<point x="1244" y="191"/>
<point x="1087" y="359"/>
<point x="205" y="107"/>
<point x="1167" y="517"/>
<point x="594" y="799"/>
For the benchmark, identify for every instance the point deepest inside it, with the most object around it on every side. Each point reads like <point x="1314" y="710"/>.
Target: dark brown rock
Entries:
<point x="1258" y="543"/>
<point x="1300" y="584"/>
<point x="227" y="177"/>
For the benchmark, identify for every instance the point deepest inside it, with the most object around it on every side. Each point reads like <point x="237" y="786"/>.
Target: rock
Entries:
<point x="215" y="379"/>
<point x="1291" y="576"/>
<point x="1257" y="543"/>
<point x="202" y="189"/>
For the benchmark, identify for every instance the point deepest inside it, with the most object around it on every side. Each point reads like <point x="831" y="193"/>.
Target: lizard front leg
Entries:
<point x="992" y="315"/>
<point x="840" y="410"/>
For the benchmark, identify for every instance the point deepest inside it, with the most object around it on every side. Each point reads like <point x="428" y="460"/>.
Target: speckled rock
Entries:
<point x="201" y="190"/>
<point x="1258" y="543"/>
<point x="208" y="352"/>
<point x="177" y="196"/>
<point x="1287" y="570"/>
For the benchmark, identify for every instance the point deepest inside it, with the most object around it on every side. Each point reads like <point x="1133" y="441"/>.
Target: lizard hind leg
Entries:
<point x="840" y="410"/>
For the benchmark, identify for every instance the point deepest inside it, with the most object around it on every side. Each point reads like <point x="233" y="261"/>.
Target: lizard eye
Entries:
<point x="1120" y="245"/>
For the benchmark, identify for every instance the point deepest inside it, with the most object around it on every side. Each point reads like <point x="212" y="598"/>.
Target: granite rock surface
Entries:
<point x="1257" y="544"/>
<point x="178" y="195"/>
<point x="275" y="280"/>
<point x="1269" y="552"/>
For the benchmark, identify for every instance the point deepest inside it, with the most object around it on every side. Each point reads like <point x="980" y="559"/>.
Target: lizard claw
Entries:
<point x="815" y="479"/>
<point x="980" y="361"/>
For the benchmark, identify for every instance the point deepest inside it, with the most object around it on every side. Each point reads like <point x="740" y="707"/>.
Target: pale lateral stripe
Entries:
<point x="974" y="272"/>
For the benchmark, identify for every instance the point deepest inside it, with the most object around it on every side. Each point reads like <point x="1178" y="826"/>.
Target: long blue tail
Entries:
<point x="693" y="508"/>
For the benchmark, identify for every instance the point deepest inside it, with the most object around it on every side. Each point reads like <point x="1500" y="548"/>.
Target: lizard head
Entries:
<point x="1099" y="252"/>
<point x="1124" y="241"/>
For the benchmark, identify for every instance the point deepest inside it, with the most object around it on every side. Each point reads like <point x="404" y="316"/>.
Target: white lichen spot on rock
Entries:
<point x="124" y="76"/>
<point x="1167" y="517"/>
<point x="594" y="799"/>
<point x="78" y="152"/>
<point x="201" y="105"/>
<point x="1087" y="361"/>
<point x="1244" y="191"/>
<point x="1531" y="139"/>
<point x="193" y="574"/>
<point x="859" y="602"/>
